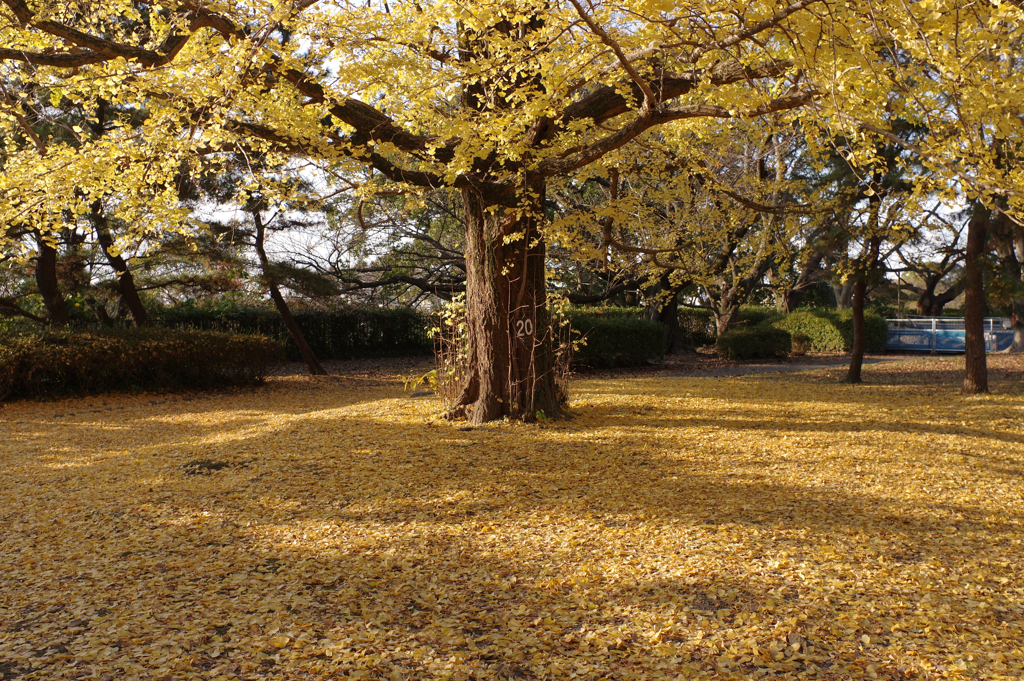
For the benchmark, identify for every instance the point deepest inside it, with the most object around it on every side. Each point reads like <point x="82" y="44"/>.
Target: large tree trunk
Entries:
<point x="1018" y="326"/>
<point x="930" y="303"/>
<point x="312" y="363"/>
<point x="976" y="368"/>
<point x="46" y="280"/>
<point x="790" y="299"/>
<point x="511" y="361"/>
<point x="860" y="290"/>
<point x="926" y="304"/>
<point x="669" y="316"/>
<point x="1013" y="264"/>
<point x="125" y="280"/>
<point x="844" y="294"/>
<point x="1018" y="301"/>
<point x="663" y="307"/>
<point x="727" y="313"/>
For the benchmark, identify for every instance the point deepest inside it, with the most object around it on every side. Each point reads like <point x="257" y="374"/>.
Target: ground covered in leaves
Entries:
<point x="771" y="526"/>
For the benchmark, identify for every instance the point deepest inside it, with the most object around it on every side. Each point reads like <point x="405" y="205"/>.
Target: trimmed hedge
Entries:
<point x="832" y="330"/>
<point x="337" y="334"/>
<point x="368" y="332"/>
<point x="696" y="325"/>
<point x="51" y="363"/>
<point x="609" y="311"/>
<point x="617" y="340"/>
<point x="756" y="315"/>
<point x="759" y="342"/>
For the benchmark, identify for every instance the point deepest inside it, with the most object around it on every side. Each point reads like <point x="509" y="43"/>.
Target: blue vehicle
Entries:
<point x="945" y="334"/>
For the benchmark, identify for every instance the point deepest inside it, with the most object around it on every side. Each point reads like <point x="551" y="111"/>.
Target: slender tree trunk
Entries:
<point x="669" y="316"/>
<point x="125" y="280"/>
<point x="976" y="368"/>
<point x="312" y="363"/>
<point x="511" y="359"/>
<point x="860" y="290"/>
<point x="865" y="267"/>
<point x="49" y="289"/>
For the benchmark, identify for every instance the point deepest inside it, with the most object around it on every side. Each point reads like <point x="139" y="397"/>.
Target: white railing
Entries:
<point x="944" y="334"/>
<point x="946" y="323"/>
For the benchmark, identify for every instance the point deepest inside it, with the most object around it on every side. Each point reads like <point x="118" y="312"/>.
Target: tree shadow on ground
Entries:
<point x="647" y="531"/>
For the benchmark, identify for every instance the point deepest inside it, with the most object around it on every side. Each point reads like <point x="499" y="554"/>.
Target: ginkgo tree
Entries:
<point x="490" y="98"/>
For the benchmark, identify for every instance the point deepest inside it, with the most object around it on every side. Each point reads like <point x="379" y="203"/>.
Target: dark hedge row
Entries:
<point x="615" y="336"/>
<point x="621" y="336"/>
<point x="51" y="363"/>
<point x="206" y="347"/>
<point x="763" y="341"/>
<point x="617" y="340"/>
<point x="339" y="334"/>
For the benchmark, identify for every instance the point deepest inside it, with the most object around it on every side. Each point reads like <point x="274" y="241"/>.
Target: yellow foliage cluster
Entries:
<point x="677" y="528"/>
<point x="188" y="80"/>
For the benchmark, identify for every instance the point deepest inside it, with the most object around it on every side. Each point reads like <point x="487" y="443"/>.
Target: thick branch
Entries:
<point x="628" y="132"/>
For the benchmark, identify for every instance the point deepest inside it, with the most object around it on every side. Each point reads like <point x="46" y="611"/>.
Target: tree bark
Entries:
<point x="664" y="309"/>
<point x="844" y="295"/>
<point x="975" y="363"/>
<point x="49" y="288"/>
<point x="125" y="280"/>
<point x="669" y="316"/>
<point x="1018" y="301"/>
<point x="860" y="290"/>
<point x="865" y="266"/>
<point x="726" y="315"/>
<point x="312" y="363"/>
<point x="791" y="298"/>
<point x="511" y="357"/>
<point x="929" y="303"/>
<point x="1018" y="326"/>
<point x="1013" y="264"/>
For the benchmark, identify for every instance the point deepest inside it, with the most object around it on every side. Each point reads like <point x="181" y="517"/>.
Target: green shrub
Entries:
<point x="617" y="340"/>
<point x="696" y="325"/>
<point x="759" y="342"/>
<point x="832" y="330"/>
<point x="50" y="363"/>
<point x="756" y="315"/>
<point x="331" y="334"/>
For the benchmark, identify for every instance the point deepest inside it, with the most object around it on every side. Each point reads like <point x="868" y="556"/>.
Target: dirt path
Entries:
<point x="396" y="369"/>
<point x="747" y="369"/>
